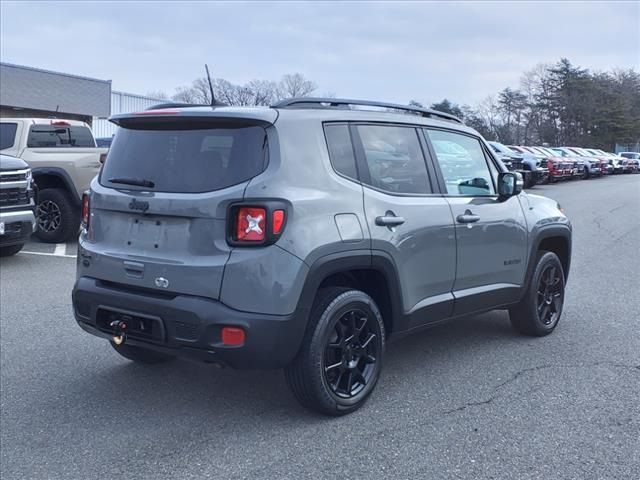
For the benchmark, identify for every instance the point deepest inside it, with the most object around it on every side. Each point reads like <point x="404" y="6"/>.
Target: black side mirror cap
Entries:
<point x="509" y="184"/>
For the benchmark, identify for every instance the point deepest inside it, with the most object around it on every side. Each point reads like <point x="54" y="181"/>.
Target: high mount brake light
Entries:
<point x="60" y="122"/>
<point x="159" y="111"/>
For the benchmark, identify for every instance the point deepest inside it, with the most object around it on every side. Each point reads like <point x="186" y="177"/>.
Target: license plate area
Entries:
<point x="145" y="233"/>
<point x="140" y="326"/>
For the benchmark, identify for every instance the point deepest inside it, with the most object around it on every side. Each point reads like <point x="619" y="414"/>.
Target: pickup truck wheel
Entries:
<point x="140" y="355"/>
<point x="340" y="359"/>
<point x="58" y="219"/>
<point x="540" y="309"/>
<point x="11" y="250"/>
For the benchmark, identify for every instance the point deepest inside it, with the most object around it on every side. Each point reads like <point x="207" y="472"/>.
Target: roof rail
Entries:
<point x="183" y="105"/>
<point x="319" y="102"/>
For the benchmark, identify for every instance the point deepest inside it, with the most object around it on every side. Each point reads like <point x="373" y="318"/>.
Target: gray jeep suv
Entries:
<point x="306" y="235"/>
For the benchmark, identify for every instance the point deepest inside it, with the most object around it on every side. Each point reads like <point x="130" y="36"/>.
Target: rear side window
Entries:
<point x="341" y="150"/>
<point x="7" y="135"/>
<point x="45" y="136"/>
<point x="185" y="160"/>
<point x="394" y="159"/>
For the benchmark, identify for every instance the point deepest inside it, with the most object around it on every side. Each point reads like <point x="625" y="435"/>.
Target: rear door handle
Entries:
<point x="389" y="220"/>
<point x="467" y="217"/>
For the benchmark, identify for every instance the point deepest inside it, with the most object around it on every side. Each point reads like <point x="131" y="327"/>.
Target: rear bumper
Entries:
<point x="18" y="227"/>
<point x="191" y="326"/>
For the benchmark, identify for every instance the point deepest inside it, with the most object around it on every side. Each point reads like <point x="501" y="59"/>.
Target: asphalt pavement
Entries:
<point x="468" y="399"/>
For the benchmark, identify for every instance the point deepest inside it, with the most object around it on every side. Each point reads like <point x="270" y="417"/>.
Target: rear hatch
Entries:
<point x="158" y="209"/>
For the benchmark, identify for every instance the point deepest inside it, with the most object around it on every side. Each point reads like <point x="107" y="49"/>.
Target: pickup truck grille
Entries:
<point x="12" y="197"/>
<point x="13" y="177"/>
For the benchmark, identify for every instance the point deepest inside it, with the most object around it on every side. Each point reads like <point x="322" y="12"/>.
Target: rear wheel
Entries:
<point x="140" y="355"/>
<point x="58" y="219"/>
<point x="11" y="250"/>
<point x="340" y="359"/>
<point x="540" y="309"/>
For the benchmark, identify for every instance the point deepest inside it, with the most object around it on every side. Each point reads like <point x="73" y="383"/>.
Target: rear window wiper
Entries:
<point x="139" y="182"/>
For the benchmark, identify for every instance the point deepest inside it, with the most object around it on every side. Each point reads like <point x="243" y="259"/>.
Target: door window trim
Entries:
<point x="363" y="168"/>
<point x="439" y="174"/>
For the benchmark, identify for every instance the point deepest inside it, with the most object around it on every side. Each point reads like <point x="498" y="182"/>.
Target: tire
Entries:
<point x="529" y="180"/>
<point x="141" y="355"/>
<point x="58" y="219"/>
<point x="539" y="311"/>
<point x="10" y="250"/>
<point x="329" y="375"/>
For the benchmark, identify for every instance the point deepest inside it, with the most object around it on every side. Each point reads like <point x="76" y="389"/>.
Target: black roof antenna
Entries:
<point x="213" y="98"/>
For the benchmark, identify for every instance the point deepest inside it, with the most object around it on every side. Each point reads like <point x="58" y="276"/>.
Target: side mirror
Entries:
<point x="509" y="184"/>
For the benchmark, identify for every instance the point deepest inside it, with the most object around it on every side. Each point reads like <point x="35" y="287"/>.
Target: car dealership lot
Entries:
<point x="468" y="399"/>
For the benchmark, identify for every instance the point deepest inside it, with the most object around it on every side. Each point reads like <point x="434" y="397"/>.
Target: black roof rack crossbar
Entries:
<point x="319" y="102"/>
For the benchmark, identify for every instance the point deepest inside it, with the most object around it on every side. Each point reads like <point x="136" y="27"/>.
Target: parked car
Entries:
<point x="64" y="158"/>
<point x="634" y="158"/>
<point x="606" y="165"/>
<point x="298" y="237"/>
<point x="513" y="161"/>
<point x="592" y="165"/>
<point x="627" y="165"/>
<point x="572" y="168"/>
<point x="17" y="204"/>
<point x="534" y="164"/>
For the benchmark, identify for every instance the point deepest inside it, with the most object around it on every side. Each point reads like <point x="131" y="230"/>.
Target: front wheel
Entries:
<point x="540" y="309"/>
<point x="58" y="219"/>
<point x="340" y="359"/>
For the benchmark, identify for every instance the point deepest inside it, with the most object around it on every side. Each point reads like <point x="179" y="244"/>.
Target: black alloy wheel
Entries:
<point x="351" y="353"/>
<point x="49" y="216"/>
<point x="550" y="295"/>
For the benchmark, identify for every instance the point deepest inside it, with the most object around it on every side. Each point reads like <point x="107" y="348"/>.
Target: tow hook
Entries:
<point x="120" y="330"/>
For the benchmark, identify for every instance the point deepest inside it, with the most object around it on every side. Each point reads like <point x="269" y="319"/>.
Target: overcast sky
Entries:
<point x="393" y="51"/>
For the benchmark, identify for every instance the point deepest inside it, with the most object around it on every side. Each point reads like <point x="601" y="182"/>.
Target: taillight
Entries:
<point x="86" y="206"/>
<point x="278" y="221"/>
<point x="256" y="224"/>
<point x="251" y="224"/>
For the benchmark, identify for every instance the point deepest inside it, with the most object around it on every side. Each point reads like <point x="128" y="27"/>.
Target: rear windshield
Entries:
<point x="44" y="136"/>
<point x="185" y="160"/>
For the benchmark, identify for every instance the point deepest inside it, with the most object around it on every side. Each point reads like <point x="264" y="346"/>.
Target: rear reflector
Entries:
<point x="233" y="336"/>
<point x="278" y="221"/>
<point x="250" y="224"/>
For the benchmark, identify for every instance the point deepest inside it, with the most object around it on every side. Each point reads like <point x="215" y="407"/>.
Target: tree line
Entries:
<point x="557" y="104"/>
<point x="560" y="104"/>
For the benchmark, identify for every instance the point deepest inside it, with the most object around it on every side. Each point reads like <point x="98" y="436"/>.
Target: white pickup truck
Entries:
<point x="64" y="159"/>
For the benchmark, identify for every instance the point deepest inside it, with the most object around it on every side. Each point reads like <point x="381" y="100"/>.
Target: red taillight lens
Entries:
<point x="85" y="210"/>
<point x="233" y="336"/>
<point x="278" y="221"/>
<point x="251" y="224"/>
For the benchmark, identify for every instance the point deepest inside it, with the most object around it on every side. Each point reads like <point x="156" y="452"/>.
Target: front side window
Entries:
<point x="394" y="159"/>
<point x="462" y="162"/>
<point x="7" y="135"/>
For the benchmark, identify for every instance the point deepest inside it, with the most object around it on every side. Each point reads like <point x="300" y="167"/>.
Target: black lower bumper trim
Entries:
<point x="190" y="326"/>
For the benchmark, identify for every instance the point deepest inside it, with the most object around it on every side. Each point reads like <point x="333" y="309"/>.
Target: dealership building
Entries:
<point x="34" y="92"/>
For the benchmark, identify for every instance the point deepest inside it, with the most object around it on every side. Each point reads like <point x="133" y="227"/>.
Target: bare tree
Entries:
<point x="295" y="85"/>
<point x="158" y="95"/>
